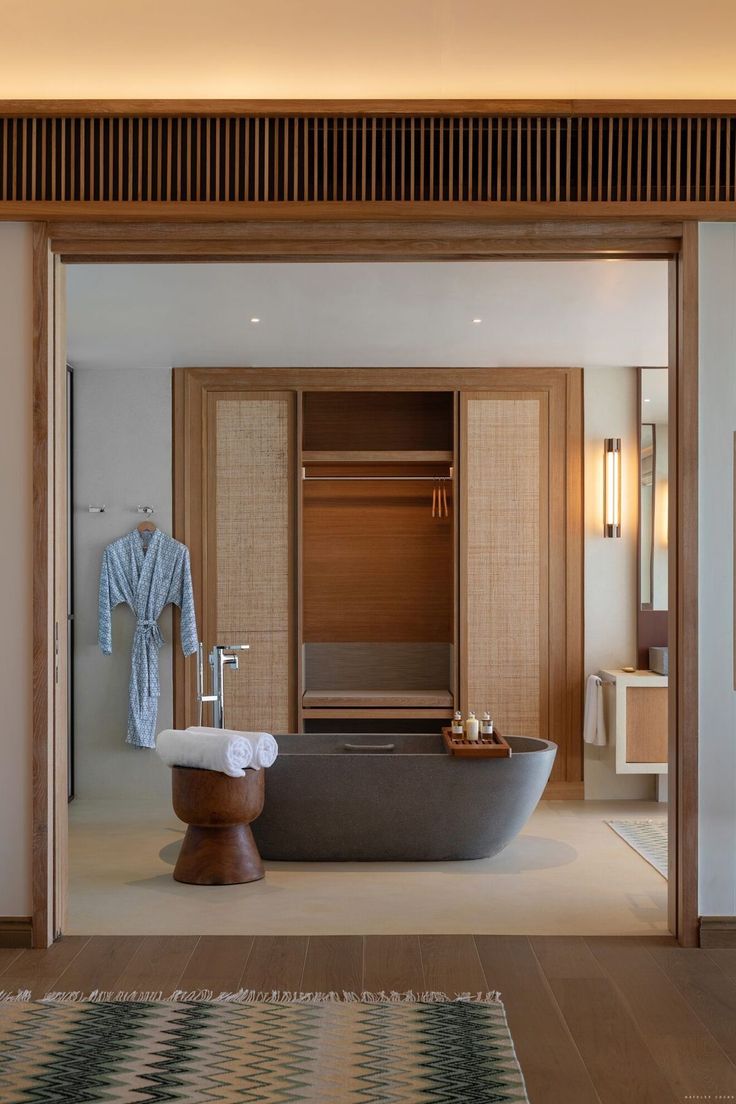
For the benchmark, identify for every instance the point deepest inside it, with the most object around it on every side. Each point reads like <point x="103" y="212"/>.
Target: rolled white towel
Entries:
<point x="265" y="748"/>
<point x="227" y="752"/>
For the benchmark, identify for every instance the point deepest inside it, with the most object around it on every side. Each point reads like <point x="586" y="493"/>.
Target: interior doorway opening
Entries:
<point x="455" y="336"/>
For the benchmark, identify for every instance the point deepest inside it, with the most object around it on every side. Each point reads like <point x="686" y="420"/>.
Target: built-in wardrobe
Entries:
<point x="393" y="546"/>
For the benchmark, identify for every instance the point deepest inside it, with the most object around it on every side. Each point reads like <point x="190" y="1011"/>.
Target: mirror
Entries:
<point x="653" y="488"/>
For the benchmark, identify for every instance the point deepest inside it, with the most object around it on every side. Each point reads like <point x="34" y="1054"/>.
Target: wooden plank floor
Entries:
<point x="594" y="1021"/>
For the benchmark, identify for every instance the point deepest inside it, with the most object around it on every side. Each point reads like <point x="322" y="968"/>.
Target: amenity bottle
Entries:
<point x="472" y="727"/>
<point x="457" y="726"/>
<point x="486" y="725"/>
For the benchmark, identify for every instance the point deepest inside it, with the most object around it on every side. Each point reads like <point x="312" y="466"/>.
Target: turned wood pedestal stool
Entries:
<point x="218" y="847"/>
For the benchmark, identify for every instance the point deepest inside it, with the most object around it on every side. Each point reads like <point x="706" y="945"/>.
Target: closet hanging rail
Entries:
<point x="376" y="478"/>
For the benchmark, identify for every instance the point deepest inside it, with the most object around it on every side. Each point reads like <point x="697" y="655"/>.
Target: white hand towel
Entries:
<point x="227" y="752"/>
<point x="265" y="748"/>
<point x="594" y="721"/>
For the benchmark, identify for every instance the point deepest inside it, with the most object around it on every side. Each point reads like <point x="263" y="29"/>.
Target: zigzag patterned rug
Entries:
<point x="374" y="1049"/>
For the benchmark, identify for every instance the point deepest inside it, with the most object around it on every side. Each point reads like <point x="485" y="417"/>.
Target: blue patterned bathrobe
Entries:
<point x="148" y="571"/>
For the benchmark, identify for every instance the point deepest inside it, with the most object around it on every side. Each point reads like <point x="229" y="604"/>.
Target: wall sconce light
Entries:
<point x="612" y="493"/>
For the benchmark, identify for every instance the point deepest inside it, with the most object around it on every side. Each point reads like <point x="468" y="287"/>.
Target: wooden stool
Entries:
<point x="218" y="847"/>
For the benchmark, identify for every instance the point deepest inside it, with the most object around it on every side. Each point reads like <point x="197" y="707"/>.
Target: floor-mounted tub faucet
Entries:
<point x="220" y="657"/>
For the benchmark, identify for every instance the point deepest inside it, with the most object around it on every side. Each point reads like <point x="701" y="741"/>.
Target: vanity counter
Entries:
<point x="637" y="719"/>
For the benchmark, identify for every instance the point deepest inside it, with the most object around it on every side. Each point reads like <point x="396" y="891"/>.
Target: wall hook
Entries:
<point x="147" y="510"/>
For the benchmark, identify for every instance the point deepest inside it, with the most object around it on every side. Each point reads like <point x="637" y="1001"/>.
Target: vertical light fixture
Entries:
<point x="612" y="492"/>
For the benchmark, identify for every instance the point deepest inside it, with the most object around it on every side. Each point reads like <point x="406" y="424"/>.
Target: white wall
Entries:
<point x="121" y="458"/>
<point x="717" y="699"/>
<point x="610" y="564"/>
<point x="16" y="354"/>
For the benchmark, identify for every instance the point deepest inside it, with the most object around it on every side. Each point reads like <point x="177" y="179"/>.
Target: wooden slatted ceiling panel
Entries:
<point x="409" y="159"/>
<point x="503" y="475"/>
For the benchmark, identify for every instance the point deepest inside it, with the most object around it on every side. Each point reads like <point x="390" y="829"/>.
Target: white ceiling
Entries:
<point x="553" y="313"/>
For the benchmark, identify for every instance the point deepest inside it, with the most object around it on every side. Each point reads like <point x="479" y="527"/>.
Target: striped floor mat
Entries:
<point x="285" y="1048"/>
<point x="648" y="837"/>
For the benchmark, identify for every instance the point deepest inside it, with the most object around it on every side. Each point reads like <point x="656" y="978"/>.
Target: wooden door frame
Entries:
<point x="408" y="236"/>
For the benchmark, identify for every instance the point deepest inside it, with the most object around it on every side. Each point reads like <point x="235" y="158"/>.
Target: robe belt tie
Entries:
<point x="146" y="644"/>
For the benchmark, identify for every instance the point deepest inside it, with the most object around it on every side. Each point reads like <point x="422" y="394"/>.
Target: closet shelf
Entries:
<point x="414" y="456"/>
<point x="388" y="699"/>
<point x="377" y="714"/>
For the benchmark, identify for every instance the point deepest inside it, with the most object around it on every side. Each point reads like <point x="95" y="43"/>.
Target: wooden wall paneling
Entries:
<point x="361" y="666"/>
<point x="377" y="567"/>
<point x="407" y="420"/>
<point x="384" y="666"/>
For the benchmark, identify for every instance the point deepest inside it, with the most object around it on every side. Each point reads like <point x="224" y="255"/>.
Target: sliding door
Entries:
<point x="521" y="563"/>
<point x="241" y="525"/>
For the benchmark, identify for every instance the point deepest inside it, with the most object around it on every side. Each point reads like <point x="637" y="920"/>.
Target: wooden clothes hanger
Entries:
<point x="146" y="526"/>
<point x="439" y="500"/>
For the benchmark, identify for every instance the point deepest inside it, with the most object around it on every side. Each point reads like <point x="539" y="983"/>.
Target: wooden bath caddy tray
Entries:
<point x="485" y="747"/>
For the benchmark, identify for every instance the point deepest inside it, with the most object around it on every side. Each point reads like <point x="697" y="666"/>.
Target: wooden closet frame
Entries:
<point x="395" y="232"/>
<point x="562" y="392"/>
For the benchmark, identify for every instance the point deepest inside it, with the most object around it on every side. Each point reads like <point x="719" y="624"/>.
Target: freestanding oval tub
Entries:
<point x="332" y="797"/>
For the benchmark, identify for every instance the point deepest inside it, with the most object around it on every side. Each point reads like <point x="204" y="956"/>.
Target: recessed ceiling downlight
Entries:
<point x="255" y="321"/>
<point x="477" y="321"/>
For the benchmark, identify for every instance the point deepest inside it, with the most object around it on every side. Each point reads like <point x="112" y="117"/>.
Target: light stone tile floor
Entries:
<point x="567" y="873"/>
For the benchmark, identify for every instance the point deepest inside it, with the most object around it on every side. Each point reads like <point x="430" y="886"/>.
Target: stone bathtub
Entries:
<point x="371" y="798"/>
